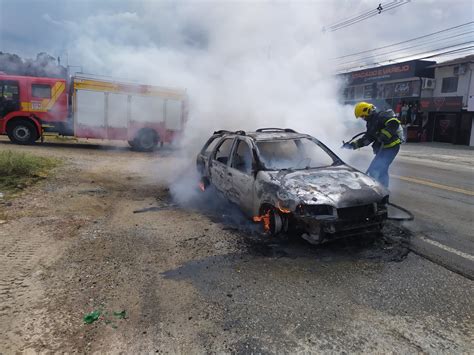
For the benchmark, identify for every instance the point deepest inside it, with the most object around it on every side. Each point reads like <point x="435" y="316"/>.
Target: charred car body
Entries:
<point x="291" y="181"/>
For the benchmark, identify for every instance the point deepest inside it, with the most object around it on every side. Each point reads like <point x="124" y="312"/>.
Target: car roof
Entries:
<point x="265" y="134"/>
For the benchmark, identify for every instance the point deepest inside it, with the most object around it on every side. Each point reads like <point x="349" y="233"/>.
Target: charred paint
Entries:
<point x="339" y="187"/>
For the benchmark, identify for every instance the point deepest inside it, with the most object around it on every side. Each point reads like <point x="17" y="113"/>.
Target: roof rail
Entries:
<point x="289" y="130"/>
<point x="224" y="131"/>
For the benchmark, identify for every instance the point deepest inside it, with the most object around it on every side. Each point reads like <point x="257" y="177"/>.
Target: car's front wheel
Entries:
<point x="273" y="222"/>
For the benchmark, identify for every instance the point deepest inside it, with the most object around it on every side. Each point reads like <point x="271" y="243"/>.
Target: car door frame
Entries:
<point x="243" y="184"/>
<point x="218" y="171"/>
<point x="202" y="160"/>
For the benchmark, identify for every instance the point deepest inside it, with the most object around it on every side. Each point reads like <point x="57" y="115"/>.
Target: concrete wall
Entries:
<point x="470" y="99"/>
<point x="464" y="82"/>
<point x="471" y="142"/>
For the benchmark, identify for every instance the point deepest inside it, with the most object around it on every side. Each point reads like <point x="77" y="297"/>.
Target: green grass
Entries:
<point x="18" y="170"/>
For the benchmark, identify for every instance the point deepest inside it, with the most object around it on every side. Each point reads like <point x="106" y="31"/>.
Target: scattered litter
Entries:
<point x="2" y="221"/>
<point x="121" y="314"/>
<point x="155" y="208"/>
<point x="93" y="191"/>
<point x="91" y="317"/>
<point x="2" y="195"/>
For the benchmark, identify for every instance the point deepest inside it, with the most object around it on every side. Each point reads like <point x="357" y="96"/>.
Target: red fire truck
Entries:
<point x="87" y="107"/>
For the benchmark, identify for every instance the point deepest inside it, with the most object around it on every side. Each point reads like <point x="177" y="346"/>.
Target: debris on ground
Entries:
<point x="121" y="314"/>
<point x="92" y="317"/>
<point x="156" y="208"/>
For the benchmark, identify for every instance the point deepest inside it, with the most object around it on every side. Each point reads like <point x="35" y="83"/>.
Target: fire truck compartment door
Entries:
<point x="117" y="110"/>
<point x="147" y="109"/>
<point x="90" y="108"/>
<point x="173" y="114"/>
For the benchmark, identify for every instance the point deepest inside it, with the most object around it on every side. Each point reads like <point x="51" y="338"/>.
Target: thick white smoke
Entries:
<point x="245" y="65"/>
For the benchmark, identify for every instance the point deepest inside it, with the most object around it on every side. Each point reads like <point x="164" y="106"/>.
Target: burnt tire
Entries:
<point x="146" y="140"/>
<point x="272" y="221"/>
<point x="22" y="132"/>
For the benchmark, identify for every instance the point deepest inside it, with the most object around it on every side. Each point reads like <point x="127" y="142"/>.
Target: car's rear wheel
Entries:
<point x="203" y="183"/>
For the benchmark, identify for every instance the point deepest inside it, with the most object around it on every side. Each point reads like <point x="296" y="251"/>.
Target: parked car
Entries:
<point x="291" y="181"/>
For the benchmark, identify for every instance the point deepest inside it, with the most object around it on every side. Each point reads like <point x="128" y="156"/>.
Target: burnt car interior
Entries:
<point x="223" y="150"/>
<point x="242" y="159"/>
<point x="300" y="153"/>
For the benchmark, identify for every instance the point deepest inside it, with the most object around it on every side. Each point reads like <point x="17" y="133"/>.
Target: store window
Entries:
<point x="449" y="84"/>
<point x="41" y="91"/>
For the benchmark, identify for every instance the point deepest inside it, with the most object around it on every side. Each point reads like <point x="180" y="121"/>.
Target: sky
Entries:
<point x="30" y="26"/>
<point x="244" y="63"/>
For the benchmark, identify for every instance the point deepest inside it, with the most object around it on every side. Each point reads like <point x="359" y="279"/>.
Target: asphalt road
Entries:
<point x="436" y="183"/>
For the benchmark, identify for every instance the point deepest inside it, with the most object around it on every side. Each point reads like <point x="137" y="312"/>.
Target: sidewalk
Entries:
<point x="434" y="152"/>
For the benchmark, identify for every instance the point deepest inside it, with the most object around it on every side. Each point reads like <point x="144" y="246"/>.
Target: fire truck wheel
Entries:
<point x="22" y="132"/>
<point x="146" y="140"/>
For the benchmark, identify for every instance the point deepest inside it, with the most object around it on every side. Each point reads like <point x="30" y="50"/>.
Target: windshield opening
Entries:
<point x="293" y="154"/>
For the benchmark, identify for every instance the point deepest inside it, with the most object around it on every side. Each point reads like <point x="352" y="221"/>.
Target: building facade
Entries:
<point x="399" y="87"/>
<point x="450" y="109"/>
<point x="434" y="101"/>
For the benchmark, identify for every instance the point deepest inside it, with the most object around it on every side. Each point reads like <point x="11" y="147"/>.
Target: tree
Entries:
<point x="43" y="65"/>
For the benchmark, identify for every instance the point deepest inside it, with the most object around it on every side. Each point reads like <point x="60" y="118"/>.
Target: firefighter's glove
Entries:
<point x="349" y="145"/>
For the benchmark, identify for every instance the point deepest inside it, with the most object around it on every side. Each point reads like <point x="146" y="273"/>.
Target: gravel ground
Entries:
<point x="197" y="277"/>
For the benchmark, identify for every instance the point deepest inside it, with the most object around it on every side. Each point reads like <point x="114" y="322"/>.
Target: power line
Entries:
<point x="409" y="40"/>
<point x="409" y="47"/>
<point x="366" y="15"/>
<point x="365" y="18"/>
<point x="455" y="51"/>
<point x="358" y="17"/>
<point x="458" y="50"/>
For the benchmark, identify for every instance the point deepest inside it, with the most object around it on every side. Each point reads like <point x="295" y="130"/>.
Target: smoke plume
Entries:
<point x="245" y="65"/>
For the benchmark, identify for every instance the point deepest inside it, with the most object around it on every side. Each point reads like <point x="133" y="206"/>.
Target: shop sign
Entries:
<point x="441" y="104"/>
<point x="387" y="72"/>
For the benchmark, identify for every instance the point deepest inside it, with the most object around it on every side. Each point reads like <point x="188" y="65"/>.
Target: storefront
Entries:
<point x="445" y="121"/>
<point x="388" y="86"/>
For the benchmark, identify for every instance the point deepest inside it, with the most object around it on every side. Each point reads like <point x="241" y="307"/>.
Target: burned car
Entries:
<point x="291" y="181"/>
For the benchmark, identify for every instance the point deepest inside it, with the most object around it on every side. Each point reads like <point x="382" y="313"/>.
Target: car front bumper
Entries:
<point x="326" y="229"/>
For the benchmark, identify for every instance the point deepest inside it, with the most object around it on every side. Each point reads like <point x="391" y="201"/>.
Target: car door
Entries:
<point x="203" y="156"/>
<point x="219" y="165"/>
<point x="241" y="173"/>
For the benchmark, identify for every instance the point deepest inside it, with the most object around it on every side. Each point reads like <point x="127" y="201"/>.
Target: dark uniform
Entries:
<point x="384" y="134"/>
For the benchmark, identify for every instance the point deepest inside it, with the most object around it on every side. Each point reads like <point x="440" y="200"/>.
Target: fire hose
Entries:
<point x="410" y="216"/>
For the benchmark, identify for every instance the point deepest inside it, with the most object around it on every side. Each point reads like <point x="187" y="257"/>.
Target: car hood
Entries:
<point x="339" y="186"/>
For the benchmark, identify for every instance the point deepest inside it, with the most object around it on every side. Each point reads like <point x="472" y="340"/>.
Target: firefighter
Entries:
<point x="385" y="134"/>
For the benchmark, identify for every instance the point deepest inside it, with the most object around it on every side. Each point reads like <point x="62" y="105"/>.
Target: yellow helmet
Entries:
<point x="363" y="109"/>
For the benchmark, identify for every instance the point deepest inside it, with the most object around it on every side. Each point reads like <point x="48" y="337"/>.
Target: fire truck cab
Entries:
<point x="88" y="107"/>
<point x="29" y="103"/>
